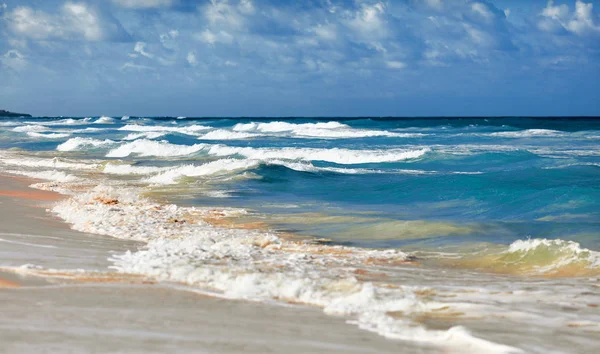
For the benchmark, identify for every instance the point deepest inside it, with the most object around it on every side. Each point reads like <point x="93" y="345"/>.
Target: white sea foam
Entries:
<point x="146" y="135"/>
<point x="188" y="130"/>
<point x="68" y="121"/>
<point x="223" y="166"/>
<point x="124" y="169"/>
<point x="48" y="135"/>
<point x="222" y="134"/>
<point x="79" y="143"/>
<point x="550" y="255"/>
<point x="104" y="120"/>
<point x="84" y="130"/>
<point x="259" y="266"/>
<point x="9" y="124"/>
<point x="35" y="162"/>
<point x="31" y="128"/>
<point x="528" y="133"/>
<point x="125" y="118"/>
<point x="335" y="155"/>
<point x="53" y="175"/>
<point x="144" y="147"/>
<point x="317" y="130"/>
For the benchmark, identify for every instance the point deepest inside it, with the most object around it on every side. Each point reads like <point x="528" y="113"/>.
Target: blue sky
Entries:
<point x="295" y="58"/>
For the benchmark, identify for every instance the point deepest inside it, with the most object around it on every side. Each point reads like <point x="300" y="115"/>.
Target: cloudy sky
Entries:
<point x="301" y="57"/>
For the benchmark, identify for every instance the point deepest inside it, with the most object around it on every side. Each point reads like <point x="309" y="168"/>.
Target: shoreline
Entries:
<point x="227" y="325"/>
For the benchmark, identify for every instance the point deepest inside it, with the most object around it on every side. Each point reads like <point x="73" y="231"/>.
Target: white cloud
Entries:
<point x="434" y="4"/>
<point x="209" y="37"/>
<point x="583" y="20"/>
<point x="559" y="17"/>
<point x="191" y="59"/>
<point x="137" y="67"/>
<point x="83" y="20"/>
<point x="326" y="32"/>
<point x="368" y="21"/>
<point x="393" y="64"/>
<point x="75" y="21"/>
<point x="14" y="60"/>
<point x="221" y="12"/>
<point x="140" y="47"/>
<point x="142" y="4"/>
<point x="483" y="11"/>
<point x="246" y="6"/>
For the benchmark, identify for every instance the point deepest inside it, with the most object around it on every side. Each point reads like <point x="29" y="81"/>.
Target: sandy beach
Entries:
<point x="92" y="313"/>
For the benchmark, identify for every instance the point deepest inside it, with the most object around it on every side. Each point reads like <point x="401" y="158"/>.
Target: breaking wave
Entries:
<point x="188" y="130"/>
<point x="543" y="257"/>
<point x="79" y="143"/>
<point x="144" y="147"/>
<point x="527" y="133"/>
<point x="104" y="120"/>
<point x="260" y="266"/>
<point x="48" y="135"/>
<point x="335" y="155"/>
<point x="317" y="130"/>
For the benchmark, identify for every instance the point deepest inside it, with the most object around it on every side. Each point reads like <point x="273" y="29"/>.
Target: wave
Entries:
<point x="78" y="143"/>
<point x="528" y="133"/>
<point x="54" y="175"/>
<point x="55" y="163"/>
<point x="543" y="257"/>
<point x="222" y="134"/>
<point x="31" y="128"/>
<point x="68" y="121"/>
<point x="124" y="169"/>
<point x="104" y="120"/>
<point x="146" y="135"/>
<point x="260" y="266"/>
<point x="335" y="155"/>
<point x="125" y="118"/>
<point x="317" y="130"/>
<point x="223" y="166"/>
<point x="49" y="135"/>
<point x="188" y="130"/>
<point x="144" y="147"/>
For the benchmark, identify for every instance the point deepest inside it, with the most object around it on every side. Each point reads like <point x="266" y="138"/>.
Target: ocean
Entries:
<point x="462" y="234"/>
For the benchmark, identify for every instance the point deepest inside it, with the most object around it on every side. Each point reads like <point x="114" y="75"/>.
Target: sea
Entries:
<point x="470" y="235"/>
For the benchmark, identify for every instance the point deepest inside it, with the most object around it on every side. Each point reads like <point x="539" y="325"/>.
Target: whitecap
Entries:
<point x="144" y="147"/>
<point x="335" y="155"/>
<point x="48" y="135"/>
<point x="528" y="133"/>
<point x="328" y="130"/>
<point x="79" y="143"/>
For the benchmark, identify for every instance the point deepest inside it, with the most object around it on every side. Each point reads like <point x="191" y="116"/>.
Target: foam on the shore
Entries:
<point x="258" y="265"/>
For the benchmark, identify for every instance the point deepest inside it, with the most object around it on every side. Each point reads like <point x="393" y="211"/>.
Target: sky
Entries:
<point x="300" y="58"/>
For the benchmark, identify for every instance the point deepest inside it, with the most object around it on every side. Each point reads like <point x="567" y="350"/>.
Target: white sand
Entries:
<point x="60" y="315"/>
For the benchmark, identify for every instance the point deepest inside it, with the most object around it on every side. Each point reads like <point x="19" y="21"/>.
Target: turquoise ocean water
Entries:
<point x="485" y="197"/>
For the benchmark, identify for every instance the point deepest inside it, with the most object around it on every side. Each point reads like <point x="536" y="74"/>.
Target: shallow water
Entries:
<point x="479" y="234"/>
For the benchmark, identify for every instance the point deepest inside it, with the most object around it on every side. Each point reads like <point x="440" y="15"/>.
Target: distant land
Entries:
<point x="4" y="113"/>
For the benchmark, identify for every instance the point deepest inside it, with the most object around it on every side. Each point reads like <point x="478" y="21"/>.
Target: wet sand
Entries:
<point x="58" y="314"/>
